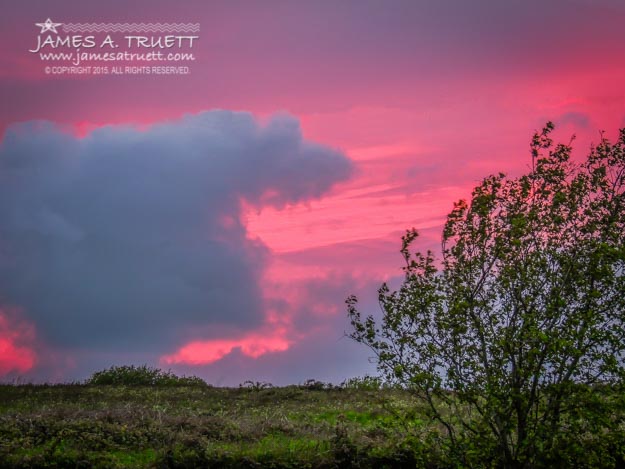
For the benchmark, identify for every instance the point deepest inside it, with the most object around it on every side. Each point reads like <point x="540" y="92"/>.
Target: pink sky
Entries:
<point x="425" y="98"/>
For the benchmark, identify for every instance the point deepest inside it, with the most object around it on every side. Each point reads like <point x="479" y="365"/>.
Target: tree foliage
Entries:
<point x="512" y="334"/>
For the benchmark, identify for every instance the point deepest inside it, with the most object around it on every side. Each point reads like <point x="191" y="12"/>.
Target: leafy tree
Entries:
<point x="512" y="336"/>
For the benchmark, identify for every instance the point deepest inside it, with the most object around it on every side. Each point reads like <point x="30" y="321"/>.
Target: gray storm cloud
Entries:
<point x="132" y="239"/>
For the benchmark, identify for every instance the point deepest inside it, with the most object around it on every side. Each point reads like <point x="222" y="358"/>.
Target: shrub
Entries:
<point x="255" y="385"/>
<point x="130" y="375"/>
<point x="315" y="385"/>
<point x="368" y="383"/>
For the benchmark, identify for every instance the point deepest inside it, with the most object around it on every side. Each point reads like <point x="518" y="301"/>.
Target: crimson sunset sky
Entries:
<point x="214" y="223"/>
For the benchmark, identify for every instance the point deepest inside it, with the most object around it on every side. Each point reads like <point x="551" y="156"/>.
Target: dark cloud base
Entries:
<point x="131" y="240"/>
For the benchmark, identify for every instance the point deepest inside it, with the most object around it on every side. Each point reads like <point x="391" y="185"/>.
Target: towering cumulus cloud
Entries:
<point x="132" y="239"/>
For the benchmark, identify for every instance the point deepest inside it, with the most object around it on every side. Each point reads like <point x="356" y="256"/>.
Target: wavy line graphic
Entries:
<point x="131" y="27"/>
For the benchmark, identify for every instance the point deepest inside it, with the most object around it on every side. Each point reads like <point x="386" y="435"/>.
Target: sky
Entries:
<point x="214" y="221"/>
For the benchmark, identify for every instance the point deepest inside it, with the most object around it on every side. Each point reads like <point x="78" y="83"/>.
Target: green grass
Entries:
<point x="179" y="426"/>
<point x="190" y="426"/>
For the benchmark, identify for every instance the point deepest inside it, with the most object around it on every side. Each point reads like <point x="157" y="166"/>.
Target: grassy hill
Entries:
<point x="310" y="425"/>
<point x="144" y="417"/>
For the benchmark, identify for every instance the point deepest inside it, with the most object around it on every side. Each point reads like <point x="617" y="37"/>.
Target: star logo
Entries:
<point x="48" y="26"/>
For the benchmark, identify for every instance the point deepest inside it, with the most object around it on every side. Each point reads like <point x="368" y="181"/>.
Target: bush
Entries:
<point x="315" y="385"/>
<point x="365" y="383"/>
<point x="255" y="385"/>
<point x="141" y="376"/>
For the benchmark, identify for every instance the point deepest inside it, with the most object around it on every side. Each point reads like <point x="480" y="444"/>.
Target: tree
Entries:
<point x="511" y="335"/>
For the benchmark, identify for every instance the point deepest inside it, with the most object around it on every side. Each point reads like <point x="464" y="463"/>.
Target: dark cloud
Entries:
<point x="132" y="240"/>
